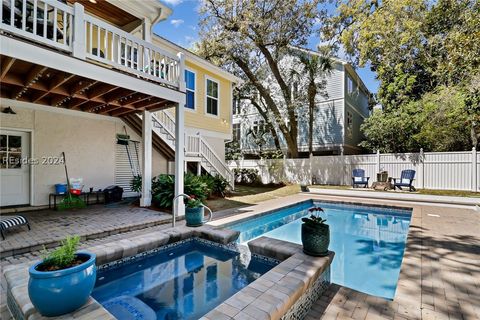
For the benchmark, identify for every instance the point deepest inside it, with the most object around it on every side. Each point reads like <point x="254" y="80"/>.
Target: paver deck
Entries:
<point x="440" y="275"/>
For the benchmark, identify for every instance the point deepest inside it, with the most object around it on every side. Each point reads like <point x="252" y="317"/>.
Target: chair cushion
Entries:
<point x="11" y="221"/>
<point x="359" y="179"/>
<point x="405" y="181"/>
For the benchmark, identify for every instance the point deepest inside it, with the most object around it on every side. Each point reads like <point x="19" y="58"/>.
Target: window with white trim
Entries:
<point x="212" y="97"/>
<point x="190" y="89"/>
<point x="350" y="84"/>
<point x="236" y="131"/>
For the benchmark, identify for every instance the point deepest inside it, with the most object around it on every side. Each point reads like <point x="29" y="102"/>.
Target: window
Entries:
<point x="10" y="151"/>
<point x="236" y="132"/>
<point x="236" y="106"/>
<point x="349" y="124"/>
<point x="212" y="97"/>
<point x="258" y="126"/>
<point x="350" y="84"/>
<point x="190" y="82"/>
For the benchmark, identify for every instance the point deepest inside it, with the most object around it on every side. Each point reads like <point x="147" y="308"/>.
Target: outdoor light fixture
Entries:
<point x="8" y="110"/>
<point x="93" y="1"/>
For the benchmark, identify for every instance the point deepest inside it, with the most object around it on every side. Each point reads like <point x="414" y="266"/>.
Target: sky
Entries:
<point x="182" y="28"/>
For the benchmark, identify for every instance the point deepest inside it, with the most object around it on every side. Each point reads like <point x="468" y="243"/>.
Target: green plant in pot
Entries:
<point x="315" y="234"/>
<point x="63" y="280"/>
<point x="194" y="212"/>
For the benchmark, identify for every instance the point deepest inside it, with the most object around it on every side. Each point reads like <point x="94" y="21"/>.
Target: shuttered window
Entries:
<point x="125" y="168"/>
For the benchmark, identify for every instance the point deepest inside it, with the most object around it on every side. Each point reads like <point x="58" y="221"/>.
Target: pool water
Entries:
<point x="368" y="241"/>
<point x="181" y="282"/>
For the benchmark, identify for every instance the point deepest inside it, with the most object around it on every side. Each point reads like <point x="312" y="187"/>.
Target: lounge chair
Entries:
<point x="358" y="178"/>
<point x="405" y="180"/>
<point x="7" y="222"/>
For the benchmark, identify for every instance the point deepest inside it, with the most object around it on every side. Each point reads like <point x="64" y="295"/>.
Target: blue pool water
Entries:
<point x="181" y="282"/>
<point x="368" y="241"/>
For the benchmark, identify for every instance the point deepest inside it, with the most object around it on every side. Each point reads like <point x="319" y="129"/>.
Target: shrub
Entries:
<point x="63" y="257"/>
<point x="220" y="185"/>
<point x="163" y="189"/>
<point x="136" y="184"/>
<point x="246" y="176"/>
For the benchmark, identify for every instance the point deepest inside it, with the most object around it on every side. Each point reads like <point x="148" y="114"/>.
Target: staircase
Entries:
<point x="196" y="148"/>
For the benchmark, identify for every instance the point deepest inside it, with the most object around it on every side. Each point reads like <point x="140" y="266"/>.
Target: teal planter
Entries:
<point x="195" y="217"/>
<point x="315" y="239"/>
<point x="54" y="293"/>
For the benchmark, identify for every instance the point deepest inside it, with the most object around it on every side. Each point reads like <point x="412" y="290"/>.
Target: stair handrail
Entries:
<point x="227" y="173"/>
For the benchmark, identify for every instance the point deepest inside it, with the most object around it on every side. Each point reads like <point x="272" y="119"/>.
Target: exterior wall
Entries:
<point x="88" y="141"/>
<point x="198" y="118"/>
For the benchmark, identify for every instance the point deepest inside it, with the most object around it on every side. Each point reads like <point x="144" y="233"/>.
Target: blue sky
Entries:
<point x="182" y="28"/>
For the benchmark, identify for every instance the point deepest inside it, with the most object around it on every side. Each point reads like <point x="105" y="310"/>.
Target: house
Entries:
<point x="339" y="114"/>
<point x="76" y="74"/>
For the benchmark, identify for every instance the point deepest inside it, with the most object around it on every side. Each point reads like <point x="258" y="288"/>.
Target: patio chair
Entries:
<point x="358" y="178"/>
<point x="405" y="180"/>
<point x="7" y="222"/>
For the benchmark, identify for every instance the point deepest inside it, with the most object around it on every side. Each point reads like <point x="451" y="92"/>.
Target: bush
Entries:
<point x="246" y="176"/>
<point x="163" y="189"/>
<point x="220" y="185"/>
<point x="136" y="184"/>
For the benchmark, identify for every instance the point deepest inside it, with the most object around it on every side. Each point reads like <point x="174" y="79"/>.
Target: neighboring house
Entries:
<point x="337" y="120"/>
<point x="86" y="72"/>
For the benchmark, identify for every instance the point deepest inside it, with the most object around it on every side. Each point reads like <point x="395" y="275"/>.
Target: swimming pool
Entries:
<point x="181" y="281"/>
<point x="369" y="242"/>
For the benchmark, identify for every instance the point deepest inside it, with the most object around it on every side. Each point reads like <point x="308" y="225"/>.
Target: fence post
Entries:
<point x="421" y="168"/>
<point x="378" y="161"/>
<point x="474" y="169"/>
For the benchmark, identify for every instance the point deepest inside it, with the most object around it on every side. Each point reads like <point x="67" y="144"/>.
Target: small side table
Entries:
<point x="96" y="195"/>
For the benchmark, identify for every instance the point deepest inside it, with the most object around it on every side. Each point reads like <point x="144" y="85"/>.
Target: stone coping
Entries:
<point x="17" y="276"/>
<point x="274" y="293"/>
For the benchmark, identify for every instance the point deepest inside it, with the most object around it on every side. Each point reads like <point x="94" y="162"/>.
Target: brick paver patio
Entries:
<point x="49" y="226"/>
<point x="440" y="275"/>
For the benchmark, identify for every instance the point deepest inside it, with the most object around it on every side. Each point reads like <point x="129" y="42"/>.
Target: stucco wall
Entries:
<point x="88" y="142"/>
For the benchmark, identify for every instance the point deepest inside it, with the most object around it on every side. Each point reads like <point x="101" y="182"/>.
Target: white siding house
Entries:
<point x="336" y="125"/>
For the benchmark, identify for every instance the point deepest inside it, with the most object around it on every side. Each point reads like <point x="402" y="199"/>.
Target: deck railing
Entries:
<point x="71" y="30"/>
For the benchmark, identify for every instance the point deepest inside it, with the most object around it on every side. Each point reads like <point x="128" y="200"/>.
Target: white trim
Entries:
<point x="29" y="52"/>
<point x="207" y="96"/>
<point x="207" y="133"/>
<point x="31" y="156"/>
<point x="354" y="108"/>
<point x="195" y="95"/>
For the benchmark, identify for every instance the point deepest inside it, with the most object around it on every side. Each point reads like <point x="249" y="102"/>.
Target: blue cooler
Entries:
<point x="60" y="188"/>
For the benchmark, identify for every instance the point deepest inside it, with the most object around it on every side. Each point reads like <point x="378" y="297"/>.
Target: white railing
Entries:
<point x="47" y="21"/>
<point x="434" y="170"/>
<point x="113" y="46"/>
<point x="70" y="29"/>
<point x="195" y="146"/>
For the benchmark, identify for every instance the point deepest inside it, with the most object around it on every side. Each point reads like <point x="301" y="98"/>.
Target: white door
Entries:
<point x="14" y="168"/>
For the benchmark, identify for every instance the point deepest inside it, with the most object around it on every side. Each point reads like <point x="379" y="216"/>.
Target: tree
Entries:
<point x="251" y="37"/>
<point x="421" y="51"/>
<point x="315" y="66"/>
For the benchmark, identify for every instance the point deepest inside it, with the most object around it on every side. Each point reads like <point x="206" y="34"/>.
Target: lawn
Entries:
<point x="248" y="195"/>
<point x="455" y="193"/>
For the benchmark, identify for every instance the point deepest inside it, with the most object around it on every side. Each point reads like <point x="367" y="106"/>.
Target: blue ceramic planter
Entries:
<point x="195" y="217"/>
<point x="54" y="293"/>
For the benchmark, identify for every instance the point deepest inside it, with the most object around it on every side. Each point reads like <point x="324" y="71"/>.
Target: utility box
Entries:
<point x="113" y="194"/>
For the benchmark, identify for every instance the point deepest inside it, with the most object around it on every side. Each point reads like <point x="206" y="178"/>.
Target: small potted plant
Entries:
<point x="315" y="234"/>
<point x="63" y="280"/>
<point x="194" y="212"/>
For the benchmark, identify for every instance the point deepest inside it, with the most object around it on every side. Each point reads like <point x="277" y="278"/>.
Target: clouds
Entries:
<point x="176" y="22"/>
<point x="173" y="2"/>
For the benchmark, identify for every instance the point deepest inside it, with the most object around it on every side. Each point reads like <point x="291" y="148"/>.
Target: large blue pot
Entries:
<point x="195" y="216"/>
<point x="54" y="293"/>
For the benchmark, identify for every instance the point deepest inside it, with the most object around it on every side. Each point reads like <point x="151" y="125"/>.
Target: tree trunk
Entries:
<point x="312" y="92"/>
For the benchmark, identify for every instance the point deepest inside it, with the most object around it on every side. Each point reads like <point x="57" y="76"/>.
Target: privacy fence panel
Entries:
<point x="434" y="170"/>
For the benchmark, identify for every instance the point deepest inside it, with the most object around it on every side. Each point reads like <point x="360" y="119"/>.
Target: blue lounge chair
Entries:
<point x="405" y="180"/>
<point x="358" y="178"/>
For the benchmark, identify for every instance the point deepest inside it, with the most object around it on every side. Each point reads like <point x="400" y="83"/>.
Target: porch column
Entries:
<point x="180" y="141"/>
<point x="199" y="168"/>
<point x="146" y="198"/>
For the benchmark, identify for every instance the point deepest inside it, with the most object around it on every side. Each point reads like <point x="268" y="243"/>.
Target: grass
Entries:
<point x="455" y="193"/>
<point x="249" y="195"/>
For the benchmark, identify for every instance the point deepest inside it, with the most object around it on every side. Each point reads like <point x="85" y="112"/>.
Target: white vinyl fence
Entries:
<point x="434" y="170"/>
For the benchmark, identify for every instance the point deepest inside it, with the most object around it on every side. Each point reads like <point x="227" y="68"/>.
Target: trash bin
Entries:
<point x="113" y="194"/>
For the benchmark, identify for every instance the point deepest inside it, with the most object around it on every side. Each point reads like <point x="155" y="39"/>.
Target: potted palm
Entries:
<point x="194" y="212"/>
<point x="63" y="280"/>
<point x="315" y="234"/>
